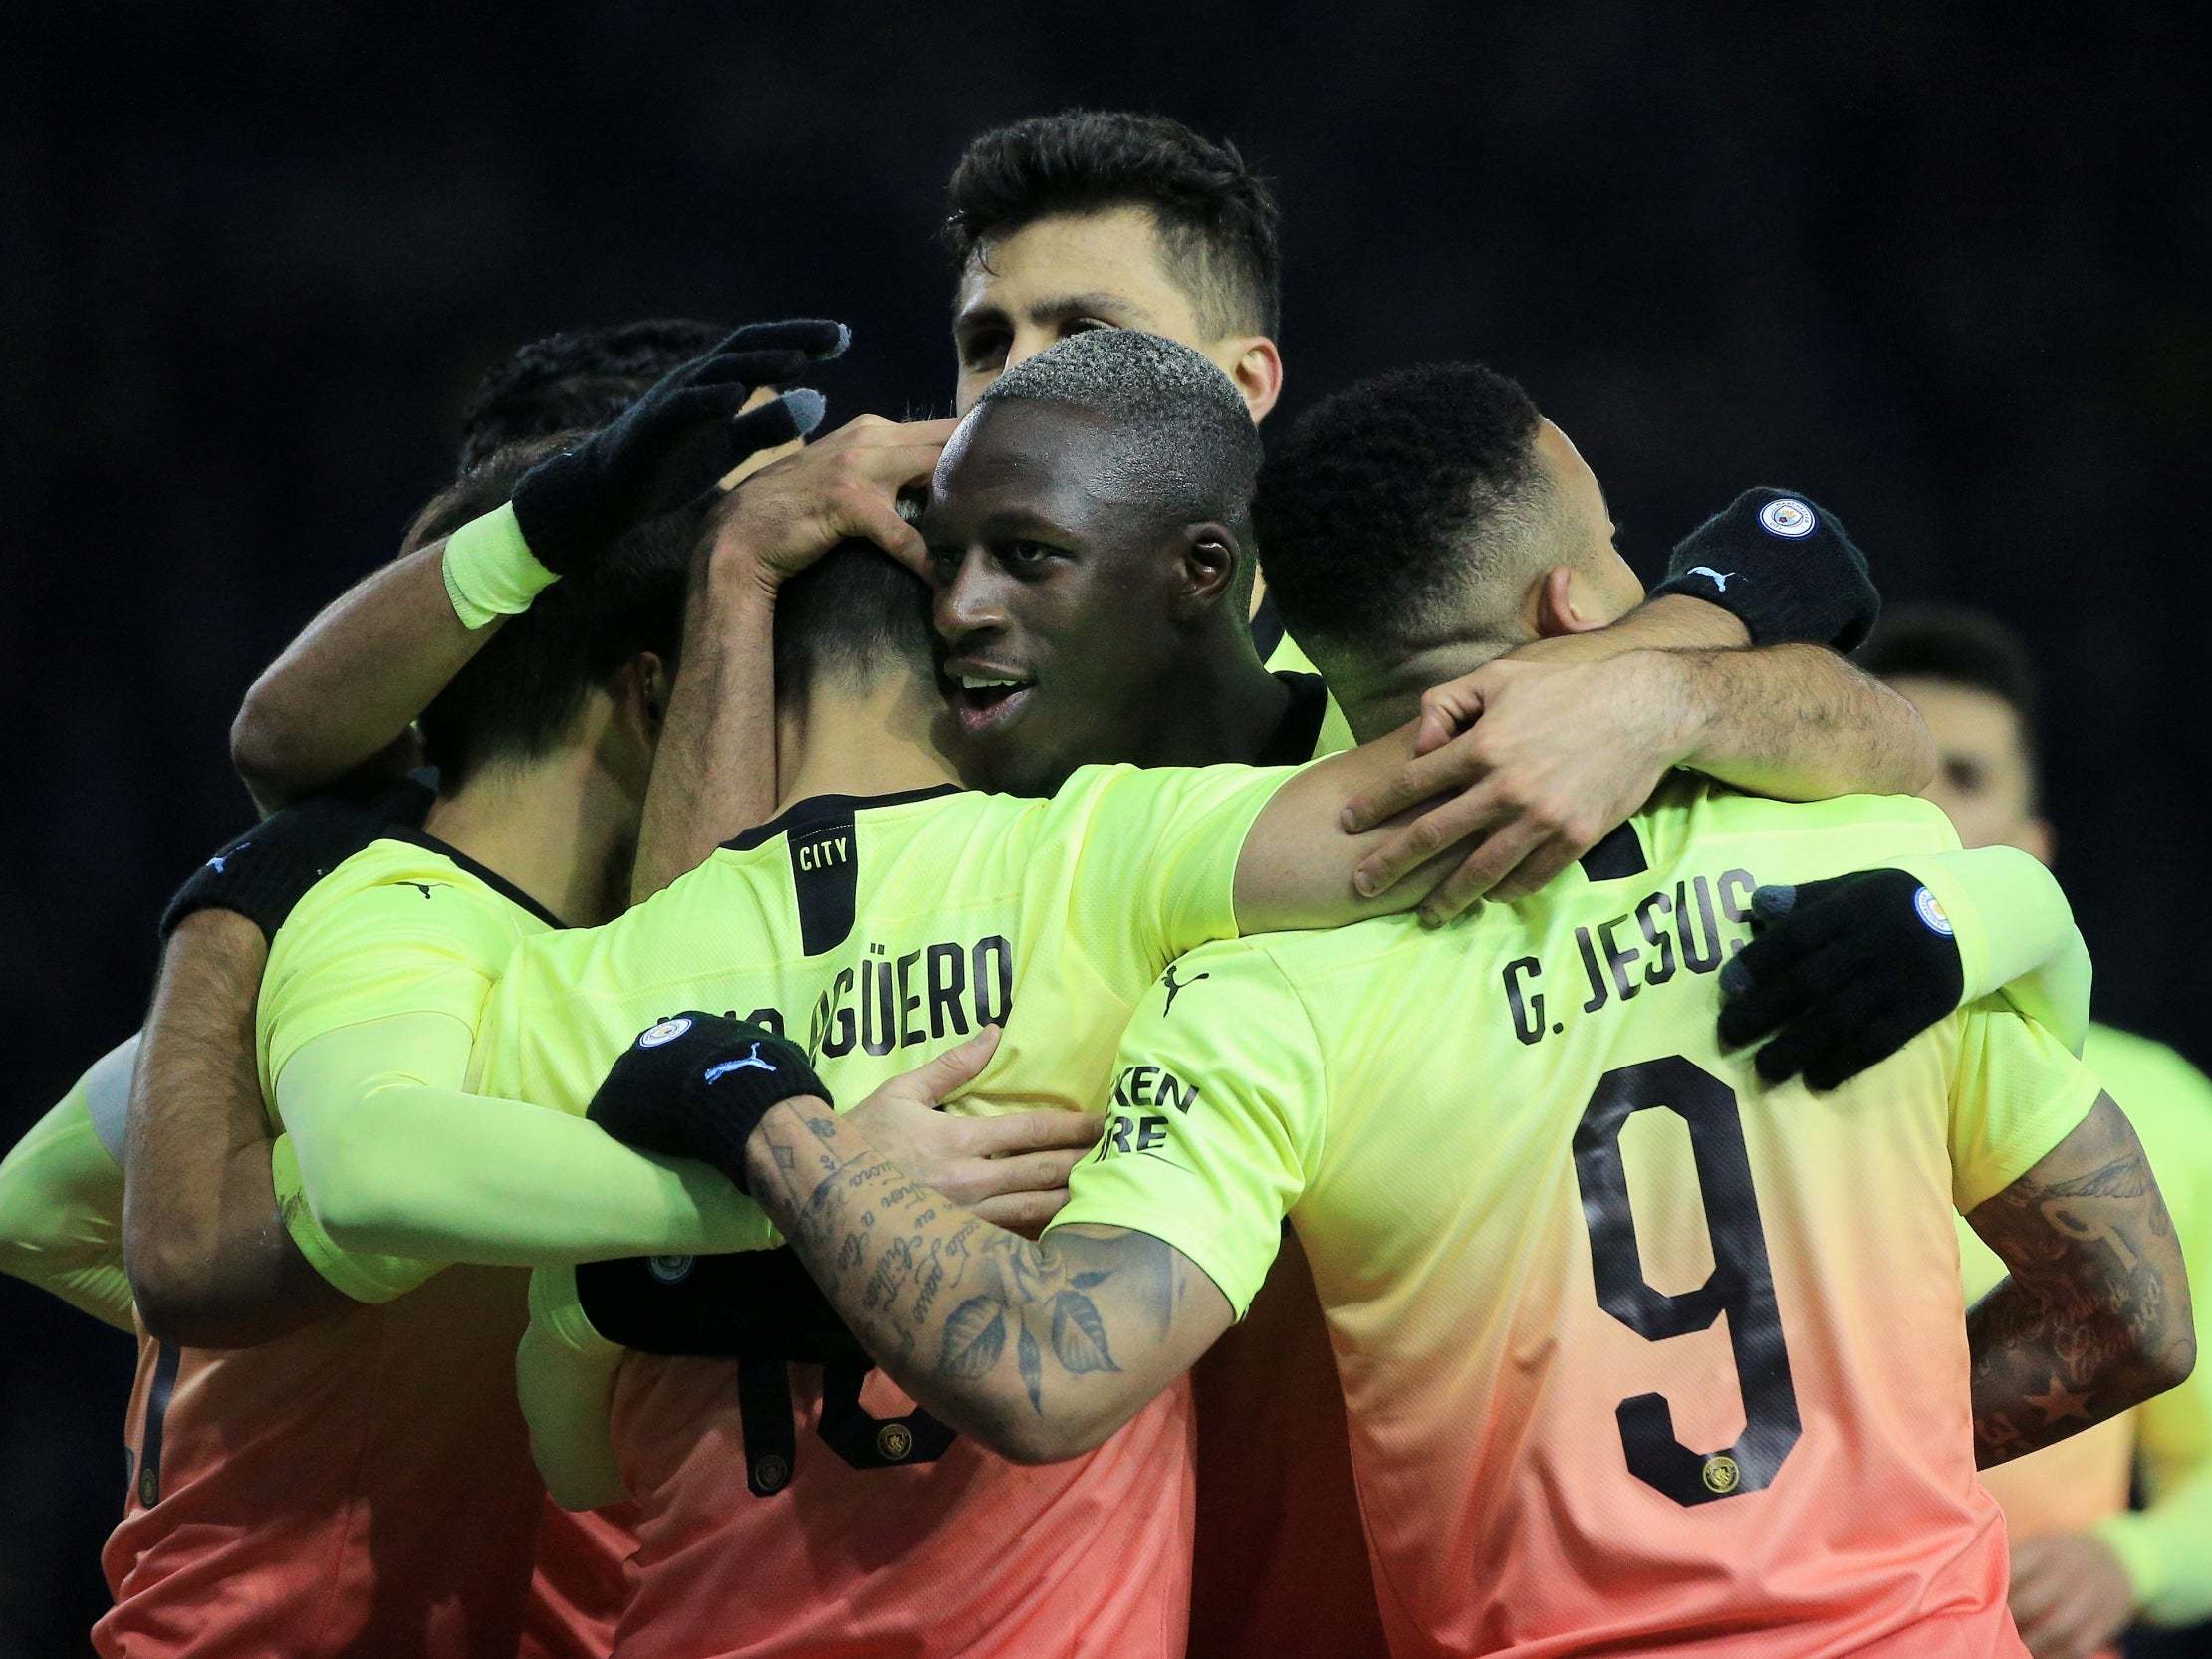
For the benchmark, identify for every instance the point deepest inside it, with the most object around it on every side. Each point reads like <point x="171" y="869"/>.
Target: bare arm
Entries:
<point x="346" y="691"/>
<point x="349" y="685"/>
<point x="2094" y="1316"/>
<point x="1544" y="751"/>
<point x="1799" y="723"/>
<point x="715" y="772"/>
<point x="1039" y="1349"/>
<point x="210" y="1259"/>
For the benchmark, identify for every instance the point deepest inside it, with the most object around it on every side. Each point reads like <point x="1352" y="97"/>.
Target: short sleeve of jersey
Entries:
<point x="2016" y="1094"/>
<point x="1215" y="1119"/>
<point x="1156" y="870"/>
<point x="382" y="950"/>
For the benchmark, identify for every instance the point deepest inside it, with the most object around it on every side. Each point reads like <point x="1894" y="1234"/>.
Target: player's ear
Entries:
<point x="1210" y="555"/>
<point x="1556" y="605"/>
<point x="642" y="692"/>
<point x="1257" y="370"/>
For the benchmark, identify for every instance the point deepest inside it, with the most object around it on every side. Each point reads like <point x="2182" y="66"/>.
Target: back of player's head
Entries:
<point x="852" y="616"/>
<point x="574" y="380"/>
<point x="1405" y="511"/>
<point x="1182" y="441"/>
<point x="512" y="702"/>
<point x="1216" y="217"/>
<point x="1954" y="644"/>
<point x="1960" y="646"/>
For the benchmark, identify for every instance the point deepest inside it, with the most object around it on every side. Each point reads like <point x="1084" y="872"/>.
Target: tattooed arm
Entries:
<point x="2094" y="1316"/>
<point x="1039" y="1349"/>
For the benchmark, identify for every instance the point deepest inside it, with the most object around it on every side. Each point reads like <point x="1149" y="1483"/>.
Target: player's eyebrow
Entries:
<point x="1077" y="305"/>
<point x="1007" y="522"/>
<point x="988" y="312"/>
<point x="978" y="315"/>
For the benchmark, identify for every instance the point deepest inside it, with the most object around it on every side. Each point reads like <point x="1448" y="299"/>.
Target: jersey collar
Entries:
<point x="1292" y="741"/>
<point x="491" y="878"/>
<point x="814" y="808"/>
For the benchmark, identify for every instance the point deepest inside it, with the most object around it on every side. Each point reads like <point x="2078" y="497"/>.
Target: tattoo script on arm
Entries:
<point x="2094" y="1316"/>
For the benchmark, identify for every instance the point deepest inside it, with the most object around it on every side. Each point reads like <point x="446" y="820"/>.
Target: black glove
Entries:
<point x="1844" y="973"/>
<point x="696" y="1085"/>
<point x="670" y="446"/>
<point x="1783" y="565"/>
<point x="267" y="871"/>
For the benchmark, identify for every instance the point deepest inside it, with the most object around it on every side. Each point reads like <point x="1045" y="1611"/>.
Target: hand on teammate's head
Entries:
<point x="840" y="486"/>
<point x="688" y="431"/>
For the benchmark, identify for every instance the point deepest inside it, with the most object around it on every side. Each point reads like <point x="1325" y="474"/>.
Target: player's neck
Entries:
<point x="840" y="739"/>
<point x="1227" y="706"/>
<point x="1391" y="698"/>
<point x="560" y="829"/>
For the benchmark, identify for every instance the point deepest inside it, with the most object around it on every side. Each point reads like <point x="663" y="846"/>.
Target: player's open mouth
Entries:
<point x="985" y="699"/>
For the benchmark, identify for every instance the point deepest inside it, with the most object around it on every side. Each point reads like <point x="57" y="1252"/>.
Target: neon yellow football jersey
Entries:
<point x="876" y="932"/>
<point x="1630" y="1343"/>
<point x="310" y="1481"/>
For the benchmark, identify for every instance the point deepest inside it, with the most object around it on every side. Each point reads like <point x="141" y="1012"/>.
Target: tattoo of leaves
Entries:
<point x="1033" y="1369"/>
<point x="1080" y="1336"/>
<point x="975" y="1336"/>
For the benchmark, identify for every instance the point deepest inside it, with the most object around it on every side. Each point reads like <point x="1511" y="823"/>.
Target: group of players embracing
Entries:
<point x="910" y="1079"/>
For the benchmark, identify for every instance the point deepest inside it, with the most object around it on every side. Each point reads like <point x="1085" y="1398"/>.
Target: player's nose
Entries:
<point x="1028" y="341"/>
<point x="968" y="603"/>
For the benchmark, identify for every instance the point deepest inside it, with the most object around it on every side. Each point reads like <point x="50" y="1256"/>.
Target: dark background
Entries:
<point x="1945" y="273"/>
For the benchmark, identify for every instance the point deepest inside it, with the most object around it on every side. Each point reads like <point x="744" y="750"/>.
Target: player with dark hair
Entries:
<point x="1974" y="682"/>
<point x="1453" y="531"/>
<point x="574" y="380"/>
<point x="2083" y="1564"/>
<point x="339" y="702"/>
<point x="292" y="1494"/>
<point x="1107" y="219"/>
<point x="1556" y="1446"/>
<point x="542" y="710"/>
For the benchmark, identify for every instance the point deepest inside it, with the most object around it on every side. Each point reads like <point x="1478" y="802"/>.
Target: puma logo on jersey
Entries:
<point x="728" y="1065"/>
<point x="1168" y="978"/>
<point x="221" y="861"/>
<point x="423" y="888"/>
<point x="1720" y="577"/>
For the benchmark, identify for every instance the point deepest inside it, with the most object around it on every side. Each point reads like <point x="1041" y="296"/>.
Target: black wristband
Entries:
<point x="696" y="1085"/>
<point x="1784" y="566"/>
<point x="267" y="871"/>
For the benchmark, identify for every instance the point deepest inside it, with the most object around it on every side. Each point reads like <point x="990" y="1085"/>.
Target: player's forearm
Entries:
<point x="443" y="1176"/>
<point x="345" y="692"/>
<point x="1009" y="1341"/>
<point x="2094" y="1316"/>
<point x="714" y="772"/>
<point x="1799" y="723"/>
<point x="203" y="1239"/>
